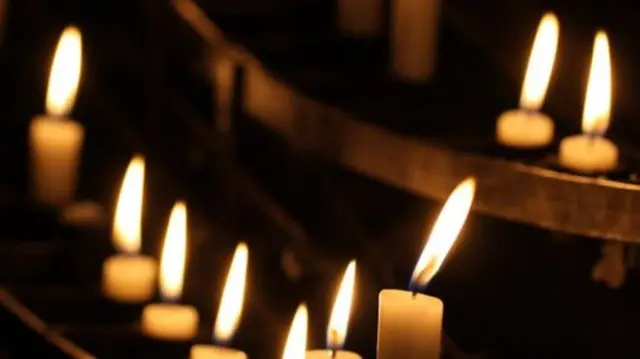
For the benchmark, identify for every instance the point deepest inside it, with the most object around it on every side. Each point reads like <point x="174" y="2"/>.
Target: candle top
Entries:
<point x="296" y="344"/>
<point x="126" y="233"/>
<point x="232" y="300"/>
<point x="597" y="102"/>
<point x="174" y="254"/>
<point x="339" y="321"/>
<point x="65" y="73"/>
<point x="541" y="61"/>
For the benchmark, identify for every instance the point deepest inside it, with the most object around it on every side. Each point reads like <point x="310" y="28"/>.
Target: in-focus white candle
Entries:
<point x="360" y="18"/>
<point x="56" y="140"/>
<point x="169" y="320"/>
<point x="414" y="38"/>
<point x="229" y="311"/>
<point x="527" y="127"/>
<point x="128" y="276"/>
<point x="296" y="344"/>
<point x="410" y="323"/>
<point x="590" y="152"/>
<point x="339" y="321"/>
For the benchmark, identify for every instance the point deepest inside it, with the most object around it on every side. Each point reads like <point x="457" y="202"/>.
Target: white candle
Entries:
<point x="339" y="321"/>
<point x="229" y="311"/>
<point x="590" y="152"/>
<point x="527" y="127"/>
<point x="360" y="18"/>
<point x="170" y="321"/>
<point x="409" y="323"/>
<point x="129" y="277"/>
<point x="414" y="32"/>
<point x="296" y="344"/>
<point x="56" y="140"/>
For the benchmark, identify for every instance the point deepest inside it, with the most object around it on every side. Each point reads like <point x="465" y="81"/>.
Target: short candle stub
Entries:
<point x="524" y="129"/>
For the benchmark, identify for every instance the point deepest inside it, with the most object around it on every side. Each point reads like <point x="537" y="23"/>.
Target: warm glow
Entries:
<point x="541" y="60"/>
<point x="444" y="232"/>
<point x="65" y="73"/>
<point x="174" y="254"/>
<point x="126" y="222"/>
<point x="597" y="103"/>
<point x="232" y="297"/>
<point x="297" y="339"/>
<point x="337" y="330"/>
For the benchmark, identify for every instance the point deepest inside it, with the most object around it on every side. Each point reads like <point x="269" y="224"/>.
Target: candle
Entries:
<point x="169" y="320"/>
<point x="129" y="276"/>
<point x="55" y="140"/>
<point x="360" y="18"/>
<point x="527" y="127"/>
<point x="229" y="311"/>
<point x="296" y="343"/>
<point x="414" y="28"/>
<point x="339" y="321"/>
<point x="590" y="152"/>
<point x="409" y="323"/>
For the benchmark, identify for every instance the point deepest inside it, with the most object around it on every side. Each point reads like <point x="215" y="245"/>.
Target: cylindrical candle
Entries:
<point x="330" y="354"/>
<point x="524" y="129"/>
<point x="360" y="18"/>
<point x="588" y="154"/>
<point x="414" y="32"/>
<point x="168" y="321"/>
<point x="129" y="278"/>
<point x="201" y="351"/>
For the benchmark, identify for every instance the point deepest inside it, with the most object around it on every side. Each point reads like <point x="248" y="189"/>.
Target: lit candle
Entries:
<point x="527" y="127"/>
<point x="56" y="140"/>
<point x="590" y="152"/>
<point x="409" y="323"/>
<point x="129" y="276"/>
<point x="360" y="18"/>
<point x="296" y="344"/>
<point x="229" y="311"/>
<point x="169" y="320"/>
<point x="339" y="321"/>
<point x="414" y="32"/>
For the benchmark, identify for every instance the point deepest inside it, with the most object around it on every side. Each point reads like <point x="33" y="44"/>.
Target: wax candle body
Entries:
<point x="129" y="278"/>
<point x="328" y="354"/>
<point x="201" y="351"/>
<point x="408" y="325"/>
<point x="588" y="154"/>
<point x="170" y="321"/>
<point x="360" y="18"/>
<point x="524" y="129"/>
<point x="414" y="29"/>
<point x="55" y="154"/>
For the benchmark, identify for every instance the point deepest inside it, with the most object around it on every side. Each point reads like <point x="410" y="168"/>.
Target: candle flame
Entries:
<point x="65" y="73"/>
<point x="232" y="296"/>
<point x="444" y="233"/>
<point x="339" y="321"/>
<point x="597" y="103"/>
<point x="296" y="344"/>
<point x="174" y="254"/>
<point x="127" y="220"/>
<point x="541" y="60"/>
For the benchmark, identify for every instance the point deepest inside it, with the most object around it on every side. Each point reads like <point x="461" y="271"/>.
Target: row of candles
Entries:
<point x="409" y="323"/>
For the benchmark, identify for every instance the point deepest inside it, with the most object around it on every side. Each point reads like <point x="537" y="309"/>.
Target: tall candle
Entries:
<point x="129" y="276"/>
<point x="527" y="127"/>
<point x="229" y="311"/>
<point x="296" y="343"/>
<point x="414" y="32"/>
<point x="55" y="139"/>
<point x="409" y="323"/>
<point x="170" y="320"/>
<point x="360" y="18"/>
<point x="339" y="321"/>
<point x="591" y="152"/>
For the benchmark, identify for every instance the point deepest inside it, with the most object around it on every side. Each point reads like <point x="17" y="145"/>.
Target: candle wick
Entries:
<point x="333" y="333"/>
<point x="334" y="353"/>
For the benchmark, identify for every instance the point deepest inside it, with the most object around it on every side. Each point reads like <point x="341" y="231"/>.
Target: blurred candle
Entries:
<point x="527" y="127"/>
<point x="590" y="152"/>
<point x="229" y="311"/>
<point x="409" y="323"/>
<point x="170" y="320"/>
<point x="129" y="276"/>
<point x="414" y="37"/>
<point x="296" y="344"/>
<point x="339" y="321"/>
<point x="360" y="18"/>
<point x="56" y="140"/>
